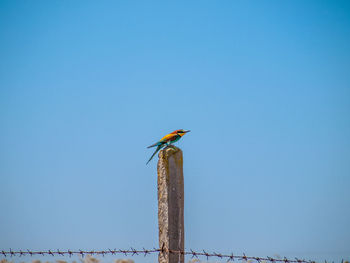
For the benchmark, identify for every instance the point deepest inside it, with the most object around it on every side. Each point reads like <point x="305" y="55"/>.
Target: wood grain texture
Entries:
<point x="171" y="204"/>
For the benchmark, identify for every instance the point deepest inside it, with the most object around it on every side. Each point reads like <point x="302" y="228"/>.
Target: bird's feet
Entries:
<point x="169" y="146"/>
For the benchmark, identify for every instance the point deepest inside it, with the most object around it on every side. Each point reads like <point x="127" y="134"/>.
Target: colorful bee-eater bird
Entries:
<point x="167" y="140"/>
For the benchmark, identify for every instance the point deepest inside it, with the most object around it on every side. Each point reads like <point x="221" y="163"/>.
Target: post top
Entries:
<point x="168" y="151"/>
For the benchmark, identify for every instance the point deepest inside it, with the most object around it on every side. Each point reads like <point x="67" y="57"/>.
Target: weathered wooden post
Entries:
<point x="171" y="205"/>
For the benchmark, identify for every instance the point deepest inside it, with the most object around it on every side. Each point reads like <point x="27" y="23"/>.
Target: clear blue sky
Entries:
<point x="264" y="86"/>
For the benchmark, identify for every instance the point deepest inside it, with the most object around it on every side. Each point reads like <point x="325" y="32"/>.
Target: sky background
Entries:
<point x="86" y="86"/>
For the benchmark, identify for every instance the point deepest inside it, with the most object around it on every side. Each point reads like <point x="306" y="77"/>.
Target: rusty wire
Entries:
<point x="132" y="252"/>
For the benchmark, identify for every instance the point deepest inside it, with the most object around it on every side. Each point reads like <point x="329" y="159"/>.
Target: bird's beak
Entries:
<point x="187" y="131"/>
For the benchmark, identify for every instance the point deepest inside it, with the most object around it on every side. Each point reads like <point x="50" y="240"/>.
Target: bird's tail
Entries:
<point x="155" y="144"/>
<point x="158" y="148"/>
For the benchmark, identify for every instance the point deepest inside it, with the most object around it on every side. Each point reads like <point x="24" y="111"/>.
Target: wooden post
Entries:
<point x="171" y="205"/>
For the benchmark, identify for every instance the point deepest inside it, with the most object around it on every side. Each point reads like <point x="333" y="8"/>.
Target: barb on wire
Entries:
<point x="132" y="252"/>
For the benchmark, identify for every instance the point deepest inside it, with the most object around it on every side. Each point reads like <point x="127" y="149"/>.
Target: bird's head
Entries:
<point x="181" y="132"/>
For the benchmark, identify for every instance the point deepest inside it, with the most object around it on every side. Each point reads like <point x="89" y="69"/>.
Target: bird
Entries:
<point x="167" y="140"/>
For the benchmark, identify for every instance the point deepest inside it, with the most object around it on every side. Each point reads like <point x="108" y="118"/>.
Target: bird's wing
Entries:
<point x="168" y="137"/>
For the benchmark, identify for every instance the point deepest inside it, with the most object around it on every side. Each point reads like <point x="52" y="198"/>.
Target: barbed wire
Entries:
<point x="132" y="252"/>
